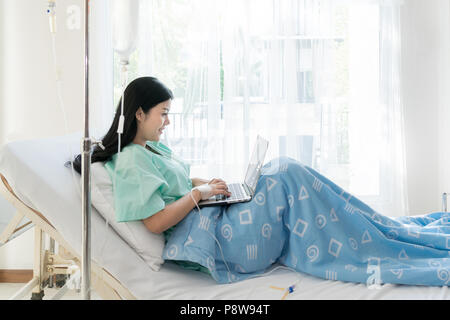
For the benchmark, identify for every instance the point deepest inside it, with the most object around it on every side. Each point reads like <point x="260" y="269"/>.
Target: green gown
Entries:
<point x="145" y="180"/>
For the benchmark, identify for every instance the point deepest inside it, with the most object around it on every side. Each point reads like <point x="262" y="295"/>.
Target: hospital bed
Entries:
<point x="36" y="182"/>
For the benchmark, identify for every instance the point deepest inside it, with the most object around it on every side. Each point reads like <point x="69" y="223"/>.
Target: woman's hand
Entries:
<point x="219" y="187"/>
<point x="212" y="188"/>
<point x="220" y="183"/>
<point x="216" y="180"/>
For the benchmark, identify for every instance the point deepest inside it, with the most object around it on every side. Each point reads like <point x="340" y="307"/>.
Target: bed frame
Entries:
<point x="49" y="265"/>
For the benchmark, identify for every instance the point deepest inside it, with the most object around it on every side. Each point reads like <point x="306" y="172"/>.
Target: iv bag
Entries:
<point x="125" y="14"/>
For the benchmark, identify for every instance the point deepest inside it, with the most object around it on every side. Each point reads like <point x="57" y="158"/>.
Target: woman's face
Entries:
<point x="150" y="126"/>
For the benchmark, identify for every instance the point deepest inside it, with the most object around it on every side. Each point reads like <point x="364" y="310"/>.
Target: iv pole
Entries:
<point x="86" y="148"/>
<point x="86" y="145"/>
<point x="124" y="47"/>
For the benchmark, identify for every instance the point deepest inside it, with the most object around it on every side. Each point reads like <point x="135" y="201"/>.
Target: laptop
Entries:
<point x="243" y="191"/>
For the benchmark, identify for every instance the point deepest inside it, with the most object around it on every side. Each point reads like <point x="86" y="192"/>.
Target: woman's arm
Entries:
<point x="172" y="213"/>
<point x="177" y="210"/>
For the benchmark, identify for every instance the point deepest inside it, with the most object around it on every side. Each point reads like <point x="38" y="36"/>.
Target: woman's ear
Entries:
<point x="140" y="114"/>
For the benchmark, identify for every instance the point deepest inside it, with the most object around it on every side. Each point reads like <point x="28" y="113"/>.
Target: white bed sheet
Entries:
<point x="35" y="170"/>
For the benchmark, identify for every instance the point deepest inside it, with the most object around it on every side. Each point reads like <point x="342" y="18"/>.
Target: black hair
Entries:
<point x="144" y="92"/>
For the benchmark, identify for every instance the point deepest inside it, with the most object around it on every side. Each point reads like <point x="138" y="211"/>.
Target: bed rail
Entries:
<point x="13" y="229"/>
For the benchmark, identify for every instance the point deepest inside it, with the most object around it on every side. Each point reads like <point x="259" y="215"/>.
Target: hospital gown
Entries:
<point x="145" y="182"/>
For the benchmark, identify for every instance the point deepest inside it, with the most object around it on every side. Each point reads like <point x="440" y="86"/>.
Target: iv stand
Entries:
<point x="86" y="146"/>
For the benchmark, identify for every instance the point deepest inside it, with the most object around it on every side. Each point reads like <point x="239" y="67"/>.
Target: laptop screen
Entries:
<point x="256" y="162"/>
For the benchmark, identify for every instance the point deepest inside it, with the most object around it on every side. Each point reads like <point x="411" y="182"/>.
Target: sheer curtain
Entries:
<point x="393" y="187"/>
<point x="318" y="79"/>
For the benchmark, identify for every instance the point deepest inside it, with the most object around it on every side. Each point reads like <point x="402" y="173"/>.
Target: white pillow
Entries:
<point x="147" y="244"/>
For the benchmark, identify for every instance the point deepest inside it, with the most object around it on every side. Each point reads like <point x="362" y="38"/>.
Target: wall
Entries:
<point x="444" y="96"/>
<point x="29" y="77"/>
<point x="425" y="77"/>
<point x="28" y="105"/>
<point x="28" y="98"/>
<point x="2" y="65"/>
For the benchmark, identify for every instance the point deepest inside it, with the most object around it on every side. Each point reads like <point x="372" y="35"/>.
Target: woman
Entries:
<point x="146" y="108"/>
<point x="146" y="164"/>
<point x="297" y="217"/>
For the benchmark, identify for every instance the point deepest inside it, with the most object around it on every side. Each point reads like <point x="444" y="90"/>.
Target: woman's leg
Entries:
<point x="336" y="236"/>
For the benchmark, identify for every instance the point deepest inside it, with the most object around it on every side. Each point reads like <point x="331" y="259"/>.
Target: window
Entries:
<point x="304" y="74"/>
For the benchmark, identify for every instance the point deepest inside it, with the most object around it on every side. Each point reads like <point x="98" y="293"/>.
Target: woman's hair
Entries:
<point x="145" y="92"/>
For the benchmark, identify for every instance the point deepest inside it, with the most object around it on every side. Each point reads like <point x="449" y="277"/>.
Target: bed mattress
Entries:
<point x="35" y="170"/>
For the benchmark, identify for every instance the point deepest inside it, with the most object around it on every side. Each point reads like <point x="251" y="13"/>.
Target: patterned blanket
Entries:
<point x="304" y="221"/>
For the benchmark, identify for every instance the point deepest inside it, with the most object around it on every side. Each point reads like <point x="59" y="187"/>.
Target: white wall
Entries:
<point x="28" y="98"/>
<point x="28" y="101"/>
<point x="444" y="96"/>
<point x="425" y="54"/>
<point x="28" y="73"/>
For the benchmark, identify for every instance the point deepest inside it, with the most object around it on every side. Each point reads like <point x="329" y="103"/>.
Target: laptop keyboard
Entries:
<point x="236" y="192"/>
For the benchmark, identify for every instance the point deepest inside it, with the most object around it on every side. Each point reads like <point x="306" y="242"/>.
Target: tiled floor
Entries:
<point x="7" y="290"/>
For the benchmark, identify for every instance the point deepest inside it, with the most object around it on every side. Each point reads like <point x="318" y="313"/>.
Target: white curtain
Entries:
<point x="393" y="187"/>
<point x="318" y="78"/>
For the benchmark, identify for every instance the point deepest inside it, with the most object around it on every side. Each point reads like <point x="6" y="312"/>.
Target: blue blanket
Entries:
<point x="304" y="221"/>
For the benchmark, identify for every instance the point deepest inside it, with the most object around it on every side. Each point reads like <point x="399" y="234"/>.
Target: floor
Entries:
<point x="9" y="289"/>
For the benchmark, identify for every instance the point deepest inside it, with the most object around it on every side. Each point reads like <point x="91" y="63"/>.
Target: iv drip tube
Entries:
<point x="124" y="80"/>
<point x="125" y="15"/>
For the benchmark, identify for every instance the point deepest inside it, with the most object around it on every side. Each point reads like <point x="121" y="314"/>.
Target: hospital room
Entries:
<point x="212" y="150"/>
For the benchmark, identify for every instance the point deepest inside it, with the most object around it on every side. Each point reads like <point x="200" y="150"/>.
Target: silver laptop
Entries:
<point x="243" y="192"/>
